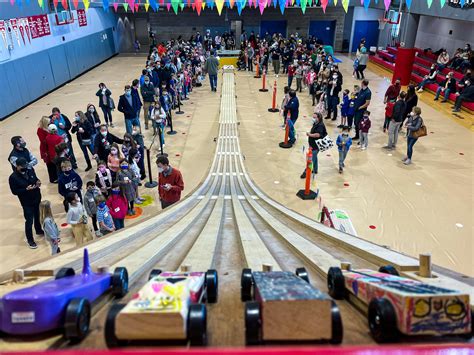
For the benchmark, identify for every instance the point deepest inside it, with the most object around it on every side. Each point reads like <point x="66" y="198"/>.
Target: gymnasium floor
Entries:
<point x="425" y="207"/>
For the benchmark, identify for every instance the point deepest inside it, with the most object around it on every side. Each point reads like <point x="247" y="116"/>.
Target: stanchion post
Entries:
<point x="179" y="112"/>
<point x="150" y="183"/>
<point x="264" y="79"/>
<point x="171" y="131"/>
<point x="274" y="98"/>
<point x="307" y="193"/>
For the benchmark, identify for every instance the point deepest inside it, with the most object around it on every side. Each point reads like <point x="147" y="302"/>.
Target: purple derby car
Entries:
<point x="64" y="302"/>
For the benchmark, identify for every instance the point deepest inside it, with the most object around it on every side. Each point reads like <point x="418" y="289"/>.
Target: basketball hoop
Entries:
<point x="382" y="23"/>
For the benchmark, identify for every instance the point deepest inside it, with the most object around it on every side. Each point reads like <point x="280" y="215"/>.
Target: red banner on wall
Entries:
<point x="82" y="17"/>
<point x="39" y="26"/>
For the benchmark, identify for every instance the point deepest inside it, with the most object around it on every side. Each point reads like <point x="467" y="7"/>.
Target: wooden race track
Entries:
<point x="227" y="224"/>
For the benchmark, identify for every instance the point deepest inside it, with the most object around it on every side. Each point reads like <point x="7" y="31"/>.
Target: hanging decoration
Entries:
<point x="116" y="6"/>
<point x="65" y="4"/>
<point x="40" y="3"/>
<point x="20" y="5"/>
<point x="12" y="2"/>
<point x="86" y="4"/>
<point x="303" y="6"/>
<point x="55" y="3"/>
<point x="345" y="5"/>
<point x="366" y="4"/>
<point x="282" y="4"/>
<point x="175" y="4"/>
<point x="261" y="6"/>
<point x="75" y="3"/>
<point x="147" y="5"/>
<point x="154" y="5"/>
<point x="442" y="3"/>
<point x="335" y="2"/>
<point x="408" y="2"/>
<point x="125" y="6"/>
<point x="105" y="5"/>
<point x="429" y="3"/>
<point x="240" y="5"/>
<point x="387" y="4"/>
<point x="324" y="4"/>
<point x="137" y="6"/>
<point x="219" y="6"/>
<point x="168" y="6"/>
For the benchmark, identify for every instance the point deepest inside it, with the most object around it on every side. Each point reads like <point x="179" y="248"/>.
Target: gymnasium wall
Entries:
<point x="435" y="32"/>
<point x="29" y="71"/>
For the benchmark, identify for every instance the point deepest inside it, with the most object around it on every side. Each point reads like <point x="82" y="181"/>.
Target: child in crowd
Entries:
<point x="69" y="181"/>
<point x="124" y="179"/>
<point x="77" y="218"/>
<point x="91" y="207"/>
<point x="118" y="206"/>
<point x="355" y="65"/>
<point x="388" y="114"/>
<point x="364" y="127"/>
<point x="104" y="217"/>
<point x="286" y="98"/>
<point x="133" y="159"/>
<point x="113" y="160"/>
<point x="343" y="142"/>
<point x="321" y="106"/>
<point x="344" y="108"/>
<point x="128" y="143"/>
<point x="351" y="110"/>
<point x="51" y="230"/>
<point x="62" y="154"/>
<point x="103" y="178"/>
<point x="138" y="138"/>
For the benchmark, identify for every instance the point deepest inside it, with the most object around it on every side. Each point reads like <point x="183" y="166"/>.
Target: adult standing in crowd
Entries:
<point x="392" y="92"/>
<point x="396" y="121"/>
<point x="103" y="143"/>
<point x="26" y="186"/>
<point x="52" y="140"/>
<point x="276" y="53"/>
<point x="20" y="151"/>
<point x="136" y="98"/>
<point x="333" y="89"/>
<point x="211" y="67"/>
<point x="64" y="125"/>
<point x="105" y="103"/>
<point x="362" y="102"/>
<point x="292" y="108"/>
<point x="170" y="182"/>
<point x="130" y="108"/>
<point x="84" y="132"/>
<point x="411" y="100"/>
<point x="94" y="119"/>
<point x="148" y="95"/>
<point x="413" y="124"/>
<point x="363" y="56"/>
<point x="318" y="131"/>
<point x="250" y="52"/>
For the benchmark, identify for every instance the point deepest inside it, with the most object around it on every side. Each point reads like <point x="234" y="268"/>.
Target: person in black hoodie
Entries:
<point x="69" y="181"/>
<point x="64" y="126"/>
<point x="84" y="133"/>
<point x="396" y="121"/>
<point x="105" y="103"/>
<point x="103" y="142"/>
<point x="333" y="90"/>
<point x="448" y="86"/>
<point x="130" y="107"/>
<point x="318" y="131"/>
<point x="467" y="95"/>
<point x="24" y="184"/>
<point x="20" y="151"/>
<point x="93" y="117"/>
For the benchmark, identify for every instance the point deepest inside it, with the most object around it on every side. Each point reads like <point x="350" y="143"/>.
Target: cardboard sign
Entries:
<point x="82" y="17"/>
<point x="39" y="26"/>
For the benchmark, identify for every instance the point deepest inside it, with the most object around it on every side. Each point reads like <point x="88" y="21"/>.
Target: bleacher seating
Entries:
<point x="421" y="67"/>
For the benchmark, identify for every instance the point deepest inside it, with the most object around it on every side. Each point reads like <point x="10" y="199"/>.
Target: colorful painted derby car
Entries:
<point x="283" y="306"/>
<point x="169" y="307"/>
<point x="62" y="303"/>
<point x="401" y="305"/>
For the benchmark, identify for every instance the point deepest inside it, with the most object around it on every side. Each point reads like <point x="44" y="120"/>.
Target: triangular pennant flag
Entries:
<point x="154" y="5"/>
<point x="261" y="6"/>
<point x="175" y="4"/>
<point x="429" y="2"/>
<point x="231" y="3"/>
<point x="55" y="3"/>
<point x="189" y="4"/>
<point x="162" y="2"/>
<point x="303" y="5"/>
<point x="86" y="4"/>
<point x="462" y="2"/>
<point x="105" y="5"/>
<point x="137" y="6"/>
<point x="198" y="6"/>
<point x="168" y="6"/>
<point x="116" y="6"/>
<point x="181" y="6"/>
<point x="298" y="2"/>
<point x="40" y="3"/>
<point x="335" y="2"/>
<point x="219" y="6"/>
<point x="324" y="4"/>
<point x="18" y="2"/>
<point x="366" y="4"/>
<point x="147" y="5"/>
<point x="345" y="5"/>
<point x="282" y="4"/>
<point x="125" y="6"/>
<point x="408" y="4"/>
<point x="387" y="4"/>
<point x="203" y="5"/>
<point x="27" y="2"/>
<point x="75" y="3"/>
<point x="442" y="3"/>
<point x="65" y="4"/>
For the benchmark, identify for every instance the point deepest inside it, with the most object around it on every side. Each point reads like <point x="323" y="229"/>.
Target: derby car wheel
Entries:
<point x="110" y="338"/>
<point x="336" y="326"/>
<point x="336" y="284"/>
<point x="246" y="283"/>
<point x="302" y="273"/>
<point x="211" y="286"/>
<point x="77" y="320"/>
<point x="252" y="323"/>
<point x="65" y="272"/>
<point x="120" y="282"/>
<point x="197" y="325"/>
<point x="154" y="273"/>
<point x="382" y="320"/>
<point x="389" y="269"/>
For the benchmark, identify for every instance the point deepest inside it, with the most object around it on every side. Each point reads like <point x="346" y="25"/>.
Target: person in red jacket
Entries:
<point x="118" y="206"/>
<point x="170" y="182"/>
<point x="52" y="140"/>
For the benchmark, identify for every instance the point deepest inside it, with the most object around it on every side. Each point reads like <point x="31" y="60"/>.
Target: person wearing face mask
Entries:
<point x="447" y="87"/>
<point x="118" y="206"/>
<point x="133" y="159"/>
<point x="428" y="79"/>
<point x="130" y="108"/>
<point x="148" y="95"/>
<point x="343" y="143"/>
<point x="104" y="218"/>
<point x="333" y="89"/>
<point x="103" y="178"/>
<point x="94" y="119"/>
<point x="467" y="95"/>
<point x="413" y="124"/>
<point x="125" y="180"/>
<point x="318" y="131"/>
<point x="113" y="160"/>
<point x="140" y="145"/>
<point x="69" y="181"/>
<point x="51" y="140"/>
<point x="462" y="82"/>
<point x="106" y="103"/>
<point x="64" y="126"/>
<point x="362" y="102"/>
<point x="103" y="142"/>
<point x="26" y="186"/>
<point x="77" y="218"/>
<point x="92" y="192"/>
<point x="20" y="151"/>
<point x="170" y="182"/>
<point x="84" y="131"/>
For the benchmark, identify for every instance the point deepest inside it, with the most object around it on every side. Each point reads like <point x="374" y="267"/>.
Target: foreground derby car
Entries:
<point x="62" y="303"/>
<point x="286" y="307"/>
<point x="400" y="305"/>
<point x="169" y="307"/>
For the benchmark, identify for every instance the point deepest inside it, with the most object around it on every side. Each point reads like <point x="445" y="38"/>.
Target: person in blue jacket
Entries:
<point x="343" y="142"/>
<point x="344" y="108"/>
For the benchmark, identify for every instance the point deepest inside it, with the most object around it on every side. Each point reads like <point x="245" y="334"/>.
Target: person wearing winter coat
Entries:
<point x="90" y="206"/>
<point x="84" y="131"/>
<point x="343" y="142"/>
<point x="51" y="141"/>
<point x="148" y="95"/>
<point x="103" y="142"/>
<point x="105" y="103"/>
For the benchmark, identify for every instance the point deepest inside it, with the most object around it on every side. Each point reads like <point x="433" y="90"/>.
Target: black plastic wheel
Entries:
<point x="382" y="320"/>
<point x="302" y="273"/>
<point x="77" y="320"/>
<point x="252" y="323"/>
<point x="110" y="338"/>
<point x="65" y="272"/>
<point x="154" y="273"/>
<point x="212" y="284"/>
<point x="336" y="283"/>
<point x="197" y="325"/>
<point x="336" y="326"/>
<point x="120" y="282"/>
<point x="389" y="269"/>
<point x="246" y="283"/>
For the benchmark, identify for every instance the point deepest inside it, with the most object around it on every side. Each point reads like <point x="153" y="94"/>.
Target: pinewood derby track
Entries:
<point x="228" y="224"/>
